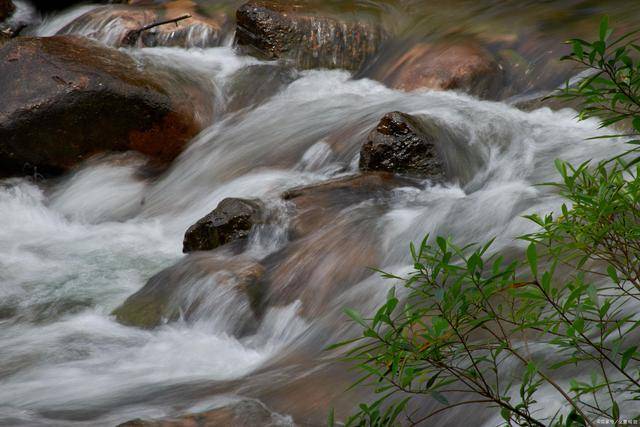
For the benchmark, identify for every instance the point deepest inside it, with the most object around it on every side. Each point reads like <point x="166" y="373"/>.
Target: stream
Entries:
<point x="74" y="248"/>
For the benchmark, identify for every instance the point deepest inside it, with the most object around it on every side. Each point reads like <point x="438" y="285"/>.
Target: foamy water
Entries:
<point x="73" y="250"/>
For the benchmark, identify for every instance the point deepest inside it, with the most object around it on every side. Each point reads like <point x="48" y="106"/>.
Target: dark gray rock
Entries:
<point x="231" y="220"/>
<point x="400" y="144"/>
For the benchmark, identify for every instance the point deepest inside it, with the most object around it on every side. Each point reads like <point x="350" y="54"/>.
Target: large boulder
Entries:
<point x="277" y="31"/>
<point x="231" y="220"/>
<point x="201" y="287"/>
<point x="6" y="9"/>
<point x="401" y="144"/>
<point x="66" y="99"/>
<point x="466" y="66"/>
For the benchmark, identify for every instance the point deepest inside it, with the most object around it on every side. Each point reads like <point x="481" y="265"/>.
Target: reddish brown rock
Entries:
<point x="401" y="144"/>
<point x="122" y="25"/>
<point x="277" y="31"/>
<point x="185" y="290"/>
<point x="66" y="99"/>
<point x="196" y="31"/>
<point x="462" y="66"/>
<point x="333" y="240"/>
<point x="246" y="413"/>
<point x="110" y="24"/>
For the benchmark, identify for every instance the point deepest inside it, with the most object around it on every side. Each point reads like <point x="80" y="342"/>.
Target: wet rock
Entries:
<point x="316" y="204"/>
<point x="6" y="9"/>
<point x="231" y="220"/>
<point x="110" y="24"/>
<point x="200" y="287"/>
<point x="333" y="240"/>
<point x="465" y="66"/>
<point x="276" y="31"/>
<point x="254" y="84"/>
<point x="120" y="26"/>
<point x="66" y="99"/>
<point x="246" y="413"/>
<point x="196" y="31"/>
<point x="401" y="144"/>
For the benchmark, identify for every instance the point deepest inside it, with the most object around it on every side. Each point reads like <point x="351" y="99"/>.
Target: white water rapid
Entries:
<point x="73" y="249"/>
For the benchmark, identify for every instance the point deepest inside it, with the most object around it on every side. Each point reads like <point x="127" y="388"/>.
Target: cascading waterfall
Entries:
<point x="74" y="249"/>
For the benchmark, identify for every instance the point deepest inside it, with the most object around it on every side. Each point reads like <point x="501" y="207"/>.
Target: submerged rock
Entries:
<point x="467" y="66"/>
<point x="6" y="9"/>
<point x="200" y="287"/>
<point x="110" y="24"/>
<point x="245" y="413"/>
<point x="231" y="220"/>
<point x="401" y="144"/>
<point x="196" y="31"/>
<point x="333" y="240"/>
<point x="120" y="26"/>
<point x="277" y="31"/>
<point x="67" y="98"/>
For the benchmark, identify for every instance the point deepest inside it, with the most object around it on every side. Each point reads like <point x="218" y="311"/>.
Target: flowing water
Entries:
<point x="73" y="249"/>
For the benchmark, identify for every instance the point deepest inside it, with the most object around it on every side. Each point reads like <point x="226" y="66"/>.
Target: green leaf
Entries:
<point x="604" y="27"/>
<point x="613" y="274"/>
<point x="615" y="411"/>
<point x="532" y="258"/>
<point x="577" y="49"/>
<point x="627" y="355"/>
<point x="506" y="414"/>
<point x="331" y="418"/>
<point x="439" y="397"/>
<point x="592" y="292"/>
<point x="355" y="316"/>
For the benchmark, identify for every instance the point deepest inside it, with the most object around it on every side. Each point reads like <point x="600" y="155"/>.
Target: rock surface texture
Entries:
<point x="67" y="98"/>
<point x="246" y="413"/>
<point x="120" y="26"/>
<point x="199" y="286"/>
<point x="467" y="67"/>
<point x="400" y="144"/>
<point x="276" y="31"/>
<point x="231" y="220"/>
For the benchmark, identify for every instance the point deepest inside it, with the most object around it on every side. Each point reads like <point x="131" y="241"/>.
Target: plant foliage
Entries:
<point x="469" y="327"/>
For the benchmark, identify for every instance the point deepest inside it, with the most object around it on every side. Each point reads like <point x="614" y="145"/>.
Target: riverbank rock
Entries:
<point x="401" y="144"/>
<point x="119" y="26"/>
<point x="200" y="287"/>
<point x="246" y="413"/>
<point x="465" y="66"/>
<point x="66" y="99"/>
<point x="6" y="9"/>
<point x="231" y="220"/>
<point x="277" y="31"/>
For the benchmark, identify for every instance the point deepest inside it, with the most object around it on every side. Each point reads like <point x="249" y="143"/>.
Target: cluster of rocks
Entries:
<point x="67" y="98"/>
<point x="88" y="98"/>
